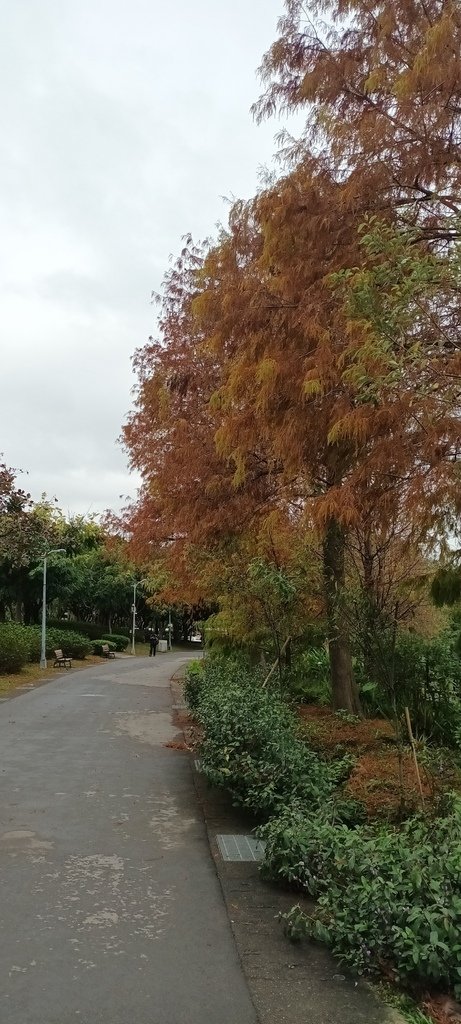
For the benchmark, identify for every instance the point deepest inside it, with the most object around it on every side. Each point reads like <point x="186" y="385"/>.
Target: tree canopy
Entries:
<point x="307" y="360"/>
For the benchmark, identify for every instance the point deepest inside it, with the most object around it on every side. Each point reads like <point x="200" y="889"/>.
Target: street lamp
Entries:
<point x="135" y="587"/>
<point x="54" y="551"/>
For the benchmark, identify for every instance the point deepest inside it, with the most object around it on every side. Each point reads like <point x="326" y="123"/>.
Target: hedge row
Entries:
<point x="94" y="630"/>
<point x="251" y="746"/>
<point x="388" y="898"/>
<point x="14" y="648"/>
<point x="20" y="644"/>
<point x="118" y="640"/>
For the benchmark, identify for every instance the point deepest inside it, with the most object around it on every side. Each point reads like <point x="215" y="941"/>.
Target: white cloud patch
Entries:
<point x="123" y="124"/>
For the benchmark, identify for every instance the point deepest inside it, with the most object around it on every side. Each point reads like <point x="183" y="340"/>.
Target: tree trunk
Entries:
<point x="18" y="611"/>
<point x="31" y="611"/>
<point x="343" y="686"/>
<point x="367" y="627"/>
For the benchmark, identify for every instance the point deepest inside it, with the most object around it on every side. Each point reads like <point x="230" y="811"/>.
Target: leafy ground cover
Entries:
<point x="387" y="891"/>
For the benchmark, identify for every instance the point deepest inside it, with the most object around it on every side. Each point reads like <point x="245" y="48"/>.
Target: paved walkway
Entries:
<point x="110" y="909"/>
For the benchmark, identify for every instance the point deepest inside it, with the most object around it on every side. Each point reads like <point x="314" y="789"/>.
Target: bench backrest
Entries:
<point x="58" y="655"/>
<point x="105" y="648"/>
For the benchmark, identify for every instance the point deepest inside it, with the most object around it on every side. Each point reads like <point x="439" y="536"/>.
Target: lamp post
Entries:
<point x="54" y="551"/>
<point x="169" y="629"/>
<point x="136" y="584"/>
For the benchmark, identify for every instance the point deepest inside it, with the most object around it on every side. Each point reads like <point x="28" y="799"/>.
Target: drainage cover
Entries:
<point x="240" y="848"/>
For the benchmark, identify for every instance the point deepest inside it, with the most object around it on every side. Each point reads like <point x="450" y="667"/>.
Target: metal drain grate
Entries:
<point x="240" y="848"/>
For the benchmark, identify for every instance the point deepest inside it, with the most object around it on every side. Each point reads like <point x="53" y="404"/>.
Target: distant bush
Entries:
<point x="94" y="630"/>
<point x="33" y="636"/>
<point x="98" y="645"/>
<point x="120" y="642"/>
<point x="74" y="645"/>
<point x="14" y="647"/>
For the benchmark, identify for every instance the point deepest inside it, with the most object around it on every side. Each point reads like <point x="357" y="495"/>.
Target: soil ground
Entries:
<point x="384" y="783"/>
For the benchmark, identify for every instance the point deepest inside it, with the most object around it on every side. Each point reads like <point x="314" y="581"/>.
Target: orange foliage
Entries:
<point x="378" y="778"/>
<point x="247" y="404"/>
<point x="381" y="88"/>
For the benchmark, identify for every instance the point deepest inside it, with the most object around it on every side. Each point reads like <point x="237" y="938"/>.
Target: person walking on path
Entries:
<point x="153" y="645"/>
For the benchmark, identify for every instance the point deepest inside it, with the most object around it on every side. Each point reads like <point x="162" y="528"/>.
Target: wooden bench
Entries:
<point x="106" y="651"/>
<point x="61" y="660"/>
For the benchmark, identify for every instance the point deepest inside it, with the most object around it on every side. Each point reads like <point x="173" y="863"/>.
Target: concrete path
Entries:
<point x="110" y="909"/>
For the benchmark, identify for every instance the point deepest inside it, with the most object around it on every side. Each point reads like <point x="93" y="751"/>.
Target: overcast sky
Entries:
<point x="123" y="125"/>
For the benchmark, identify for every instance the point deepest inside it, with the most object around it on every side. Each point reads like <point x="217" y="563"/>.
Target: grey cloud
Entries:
<point x="122" y="126"/>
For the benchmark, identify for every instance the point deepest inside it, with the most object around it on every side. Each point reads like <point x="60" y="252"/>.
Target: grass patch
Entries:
<point x="438" y="1009"/>
<point x="141" y="650"/>
<point x="407" y="1008"/>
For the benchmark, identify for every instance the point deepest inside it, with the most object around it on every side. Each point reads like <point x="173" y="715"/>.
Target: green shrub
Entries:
<point x="309" y="679"/>
<point x="74" y="645"/>
<point x="97" y="645"/>
<point x="250" y="743"/>
<point x="427" y="679"/>
<point x="386" y="897"/>
<point x="298" y="846"/>
<point x="120" y="642"/>
<point x="93" y="630"/>
<point x="434" y="690"/>
<point x="33" y="635"/>
<point x="194" y="679"/>
<point x="14" y="647"/>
